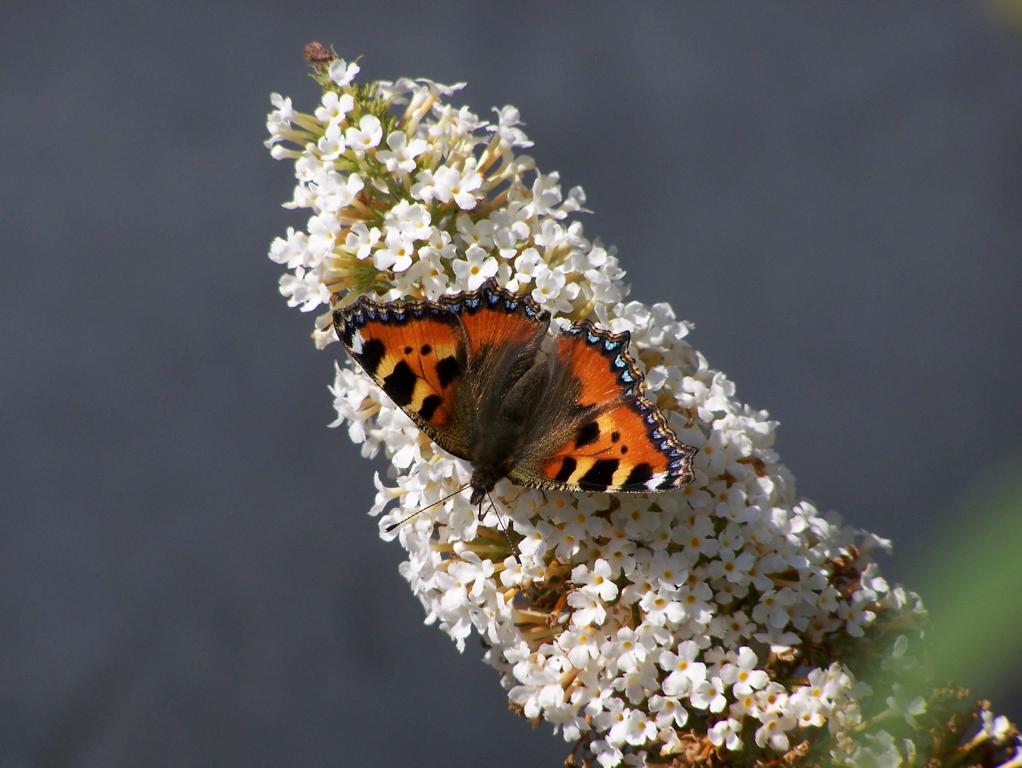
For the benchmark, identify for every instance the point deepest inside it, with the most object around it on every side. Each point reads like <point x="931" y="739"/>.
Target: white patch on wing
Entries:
<point x="356" y="342"/>
<point x="654" y="481"/>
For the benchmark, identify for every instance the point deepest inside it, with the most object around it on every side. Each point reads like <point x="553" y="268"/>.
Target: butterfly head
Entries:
<point x="482" y="482"/>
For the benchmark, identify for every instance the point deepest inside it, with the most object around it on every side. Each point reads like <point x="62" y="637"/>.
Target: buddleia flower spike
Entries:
<point x="673" y="601"/>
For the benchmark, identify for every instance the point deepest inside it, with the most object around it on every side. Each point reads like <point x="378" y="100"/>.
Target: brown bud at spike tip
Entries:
<point x="318" y="55"/>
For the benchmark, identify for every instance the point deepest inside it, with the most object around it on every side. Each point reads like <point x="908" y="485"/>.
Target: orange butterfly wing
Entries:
<point x="414" y="352"/>
<point x="617" y="440"/>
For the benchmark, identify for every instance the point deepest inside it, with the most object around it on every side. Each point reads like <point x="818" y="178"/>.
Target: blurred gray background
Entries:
<point x="187" y="573"/>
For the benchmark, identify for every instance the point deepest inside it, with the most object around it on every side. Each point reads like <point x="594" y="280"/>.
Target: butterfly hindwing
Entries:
<point x="612" y="438"/>
<point x="414" y="351"/>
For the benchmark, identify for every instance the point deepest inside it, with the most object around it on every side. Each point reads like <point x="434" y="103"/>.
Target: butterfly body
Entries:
<point x="479" y="374"/>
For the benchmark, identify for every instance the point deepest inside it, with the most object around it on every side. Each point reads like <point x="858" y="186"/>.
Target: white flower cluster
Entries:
<point x="689" y="623"/>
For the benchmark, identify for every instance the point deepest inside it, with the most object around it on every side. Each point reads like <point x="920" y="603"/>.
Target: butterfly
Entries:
<point x="475" y="371"/>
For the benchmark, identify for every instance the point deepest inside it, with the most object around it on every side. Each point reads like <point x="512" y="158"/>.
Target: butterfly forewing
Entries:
<point x="415" y="352"/>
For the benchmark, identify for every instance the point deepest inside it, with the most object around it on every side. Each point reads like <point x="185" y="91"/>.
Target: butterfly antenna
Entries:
<point x="503" y="527"/>
<point x="399" y="523"/>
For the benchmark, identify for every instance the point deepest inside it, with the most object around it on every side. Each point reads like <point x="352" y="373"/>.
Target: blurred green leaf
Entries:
<point x="1008" y="13"/>
<point x="972" y="587"/>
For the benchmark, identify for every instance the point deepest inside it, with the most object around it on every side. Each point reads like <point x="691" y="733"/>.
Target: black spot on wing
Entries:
<point x="429" y="405"/>
<point x="371" y="355"/>
<point x="568" y="465"/>
<point x="400" y="384"/>
<point x="600" y="475"/>
<point x="447" y="370"/>
<point x="426" y="349"/>
<point x="587" y="434"/>
<point x="639" y="476"/>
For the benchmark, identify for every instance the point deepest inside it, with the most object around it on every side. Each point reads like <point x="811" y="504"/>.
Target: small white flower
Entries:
<point x="412" y="220"/>
<point x="429" y="273"/>
<point x="773" y="731"/>
<point x="350" y="390"/>
<point x="396" y="254"/>
<point x="598" y="581"/>
<point x="731" y="628"/>
<point x="331" y="145"/>
<point x="638" y="683"/>
<point x="400" y="158"/>
<point x="424" y="187"/>
<point x="631" y="727"/>
<point x="337" y="191"/>
<point x="619" y="552"/>
<point x="508" y="120"/>
<point x="471" y="571"/>
<point x="607" y="755"/>
<point x="580" y="644"/>
<point x="695" y="599"/>
<point x="671" y="570"/>
<point x="668" y="711"/>
<point x="731" y="566"/>
<point x="684" y="672"/>
<point x="549" y="291"/>
<point x="626" y="650"/>
<point x="366" y="135"/>
<point x="725" y="733"/>
<point x="290" y="251"/>
<point x="527" y="265"/>
<point x="278" y="125"/>
<point x="588" y="609"/>
<point x="304" y="290"/>
<point x="283" y="112"/>
<point x="341" y="72"/>
<point x="460" y="186"/>
<point x="709" y="694"/>
<point x="809" y="712"/>
<point x="697" y="539"/>
<point x="452" y="125"/>
<point x="743" y="675"/>
<point x="334" y="106"/>
<point x="661" y="608"/>
<point x="565" y="718"/>
<point x="360" y="240"/>
<point x="474" y="232"/>
<point x="475" y="268"/>
<point x="546" y="194"/>
<point x="773" y="606"/>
